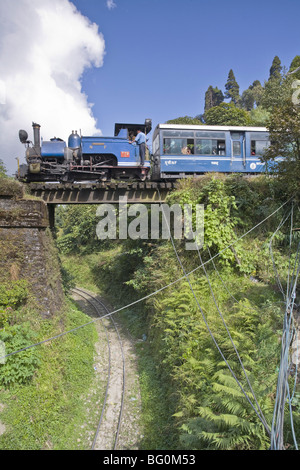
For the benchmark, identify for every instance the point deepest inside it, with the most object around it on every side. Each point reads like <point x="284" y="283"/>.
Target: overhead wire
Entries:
<point x="234" y="346"/>
<point x="283" y="390"/>
<point x="282" y="222"/>
<point x="290" y="249"/>
<point x="283" y="386"/>
<point x="296" y="368"/>
<point x="131" y="304"/>
<point x="208" y="328"/>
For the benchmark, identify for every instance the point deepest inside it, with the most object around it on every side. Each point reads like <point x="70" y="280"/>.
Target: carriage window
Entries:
<point x="210" y="147"/>
<point x="259" y="136"/>
<point x="178" y="146"/>
<point x="235" y="135"/>
<point x="236" y="148"/>
<point x="177" y="133"/>
<point x="259" y="146"/>
<point x="155" y="144"/>
<point x="210" y="135"/>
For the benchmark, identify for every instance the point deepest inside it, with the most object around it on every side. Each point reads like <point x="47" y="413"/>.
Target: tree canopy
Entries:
<point x="254" y="105"/>
<point x="184" y="120"/>
<point x="284" y="131"/>
<point x="295" y="64"/>
<point x="2" y="169"/>
<point x="213" y="97"/>
<point x="276" y="68"/>
<point x="232" y="89"/>
<point x="227" y="114"/>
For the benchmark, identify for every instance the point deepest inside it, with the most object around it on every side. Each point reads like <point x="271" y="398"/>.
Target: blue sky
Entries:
<point x="162" y="55"/>
<point x="86" y="64"/>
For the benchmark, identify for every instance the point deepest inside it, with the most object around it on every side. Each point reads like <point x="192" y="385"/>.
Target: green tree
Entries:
<point x="284" y="130"/>
<point x="184" y="120"/>
<point x="277" y="91"/>
<point x="227" y="114"/>
<point x="232" y="89"/>
<point x="77" y="228"/>
<point x="2" y="169"/>
<point x="247" y="100"/>
<point x="252" y="96"/>
<point x="295" y="64"/>
<point x="259" y="116"/>
<point x="276" y="68"/>
<point x="257" y="90"/>
<point x="213" y="97"/>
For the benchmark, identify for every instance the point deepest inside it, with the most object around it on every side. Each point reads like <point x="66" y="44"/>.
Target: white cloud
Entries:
<point x="45" y="47"/>
<point x="110" y="4"/>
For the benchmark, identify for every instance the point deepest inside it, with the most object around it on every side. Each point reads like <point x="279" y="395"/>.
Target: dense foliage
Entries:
<point x="2" y="169"/>
<point x="42" y="386"/>
<point x="284" y="128"/>
<point x="234" y="303"/>
<point x="227" y="114"/>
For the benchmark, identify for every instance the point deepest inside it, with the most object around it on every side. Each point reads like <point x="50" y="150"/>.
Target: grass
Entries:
<point x="50" y="412"/>
<point x="160" y="428"/>
<point x="156" y="420"/>
<point x="158" y="424"/>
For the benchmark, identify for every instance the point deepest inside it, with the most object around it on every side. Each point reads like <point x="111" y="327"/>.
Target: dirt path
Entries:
<point x="130" y="432"/>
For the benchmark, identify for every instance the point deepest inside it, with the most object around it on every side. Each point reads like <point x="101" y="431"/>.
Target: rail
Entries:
<point x="101" y="310"/>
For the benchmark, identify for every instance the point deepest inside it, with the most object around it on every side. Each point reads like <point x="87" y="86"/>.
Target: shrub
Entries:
<point x="18" y="368"/>
<point x="13" y="293"/>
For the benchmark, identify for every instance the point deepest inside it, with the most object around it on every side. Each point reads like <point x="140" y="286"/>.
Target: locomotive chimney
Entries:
<point x="36" y="134"/>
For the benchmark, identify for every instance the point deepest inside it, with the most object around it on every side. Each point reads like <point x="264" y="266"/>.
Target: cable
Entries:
<point x="283" y="391"/>
<point x="208" y="328"/>
<point x="152" y="293"/>
<point x="283" y="386"/>
<point x="282" y="222"/>
<point x="288" y="294"/>
<point x="233" y="344"/>
<point x="290" y="249"/>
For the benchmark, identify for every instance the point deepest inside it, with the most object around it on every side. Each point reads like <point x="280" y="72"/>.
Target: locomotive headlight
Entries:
<point x="23" y="136"/>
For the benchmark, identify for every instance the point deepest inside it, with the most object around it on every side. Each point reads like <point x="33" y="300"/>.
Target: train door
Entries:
<point x="238" y="151"/>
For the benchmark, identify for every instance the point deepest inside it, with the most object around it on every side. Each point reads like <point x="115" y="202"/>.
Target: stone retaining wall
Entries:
<point x="27" y="251"/>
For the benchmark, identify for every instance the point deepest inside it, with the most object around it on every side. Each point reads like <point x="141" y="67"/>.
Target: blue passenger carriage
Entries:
<point x="186" y="150"/>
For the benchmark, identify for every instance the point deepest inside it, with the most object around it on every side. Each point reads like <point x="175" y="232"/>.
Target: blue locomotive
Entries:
<point x="178" y="151"/>
<point x="84" y="158"/>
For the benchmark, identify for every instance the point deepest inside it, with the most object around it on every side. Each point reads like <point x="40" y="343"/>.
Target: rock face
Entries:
<point x="27" y="250"/>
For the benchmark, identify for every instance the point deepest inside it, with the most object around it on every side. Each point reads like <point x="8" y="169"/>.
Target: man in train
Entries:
<point x="140" y="140"/>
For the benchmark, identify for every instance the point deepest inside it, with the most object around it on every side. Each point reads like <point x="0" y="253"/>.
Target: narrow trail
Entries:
<point x="109" y="369"/>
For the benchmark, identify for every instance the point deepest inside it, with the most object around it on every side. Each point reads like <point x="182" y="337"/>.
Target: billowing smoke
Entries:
<point x="45" y="46"/>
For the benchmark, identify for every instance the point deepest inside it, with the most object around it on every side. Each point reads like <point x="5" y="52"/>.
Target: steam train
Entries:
<point x="178" y="151"/>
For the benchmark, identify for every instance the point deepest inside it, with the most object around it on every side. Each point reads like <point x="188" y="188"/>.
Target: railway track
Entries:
<point x="108" y="429"/>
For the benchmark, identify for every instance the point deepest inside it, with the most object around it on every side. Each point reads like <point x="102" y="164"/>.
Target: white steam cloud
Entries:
<point x="45" y="46"/>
